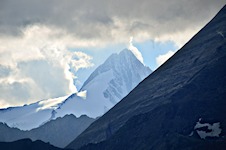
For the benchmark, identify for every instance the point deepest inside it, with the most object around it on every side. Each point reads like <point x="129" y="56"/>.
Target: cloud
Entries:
<point x="162" y="58"/>
<point x="135" y="51"/>
<point x="99" y="22"/>
<point x="4" y="104"/>
<point x="13" y="93"/>
<point x="81" y="60"/>
<point x="4" y="71"/>
<point x="37" y="66"/>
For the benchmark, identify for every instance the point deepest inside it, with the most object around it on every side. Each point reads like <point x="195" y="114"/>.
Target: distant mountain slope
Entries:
<point x="59" y="132"/>
<point x="106" y="86"/>
<point x="179" y="106"/>
<point x="30" y="116"/>
<point x="27" y="144"/>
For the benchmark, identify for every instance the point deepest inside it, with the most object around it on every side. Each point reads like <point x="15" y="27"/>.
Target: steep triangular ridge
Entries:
<point x="173" y="107"/>
<point x="127" y="72"/>
<point x="108" y="84"/>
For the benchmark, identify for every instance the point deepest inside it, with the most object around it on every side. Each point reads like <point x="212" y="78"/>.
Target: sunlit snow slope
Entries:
<point x="106" y="86"/>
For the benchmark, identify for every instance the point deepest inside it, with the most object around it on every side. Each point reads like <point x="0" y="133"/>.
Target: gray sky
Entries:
<point x="107" y="20"/>
<point x="41" y="40"/>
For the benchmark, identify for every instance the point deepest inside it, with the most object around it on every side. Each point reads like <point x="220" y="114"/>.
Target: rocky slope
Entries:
<point x="179" y="106"/>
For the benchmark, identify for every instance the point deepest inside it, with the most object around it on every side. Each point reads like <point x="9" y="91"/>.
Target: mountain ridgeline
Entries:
<point x="53" y="120"/>
<point x="106" y="86"/>
<point x="59" y="132"/>
<point x="127" y="70"/>
<point x="27" y="144"/>
<point x="181" y="105"/>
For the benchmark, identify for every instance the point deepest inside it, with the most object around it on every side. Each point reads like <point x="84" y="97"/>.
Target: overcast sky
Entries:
<point x="49" y="47"/>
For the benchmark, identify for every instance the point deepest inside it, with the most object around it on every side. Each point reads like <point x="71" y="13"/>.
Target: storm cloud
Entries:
<point x="109" y="20"/>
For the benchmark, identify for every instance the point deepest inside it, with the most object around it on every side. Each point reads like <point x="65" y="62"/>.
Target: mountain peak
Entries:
<point x="107" y="85"/>
<point x="118" y="62"/>
<point x="124" y="53"/>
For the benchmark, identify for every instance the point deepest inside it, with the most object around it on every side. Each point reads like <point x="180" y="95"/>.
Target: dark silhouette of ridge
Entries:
<point x="27" y="144"/>
<point x="59" y="132"/>
<point x="179" y="106"/>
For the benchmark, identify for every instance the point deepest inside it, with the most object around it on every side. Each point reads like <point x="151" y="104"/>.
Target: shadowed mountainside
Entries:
<point x="179" y="106"/>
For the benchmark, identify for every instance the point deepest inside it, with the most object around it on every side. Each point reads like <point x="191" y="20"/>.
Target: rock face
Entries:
<point x="59" y="132"/>
<point x="179" y="106"/>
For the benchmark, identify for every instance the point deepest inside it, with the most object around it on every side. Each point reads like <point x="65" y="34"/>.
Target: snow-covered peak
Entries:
<point x="124" y="60"/>
<point x="106" y="86"/>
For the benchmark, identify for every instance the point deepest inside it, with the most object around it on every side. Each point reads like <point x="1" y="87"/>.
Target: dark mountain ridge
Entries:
<point x="164" y="110"/>
<point x="59" y="132"/>
<point x="27" y="144"/>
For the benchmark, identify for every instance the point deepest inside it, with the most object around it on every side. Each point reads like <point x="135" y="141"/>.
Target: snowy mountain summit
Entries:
<point x="105" y="87"/>
<point x="125" y="70"/>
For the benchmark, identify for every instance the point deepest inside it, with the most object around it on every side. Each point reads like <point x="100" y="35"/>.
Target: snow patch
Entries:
<point x="215" y="129"/>
<point x="50" y="103"/>
<point x="221" y="34"/>
<point x="94" y="105"/>
<point x="82" y="94"/>
<point x="191" y="133"/>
